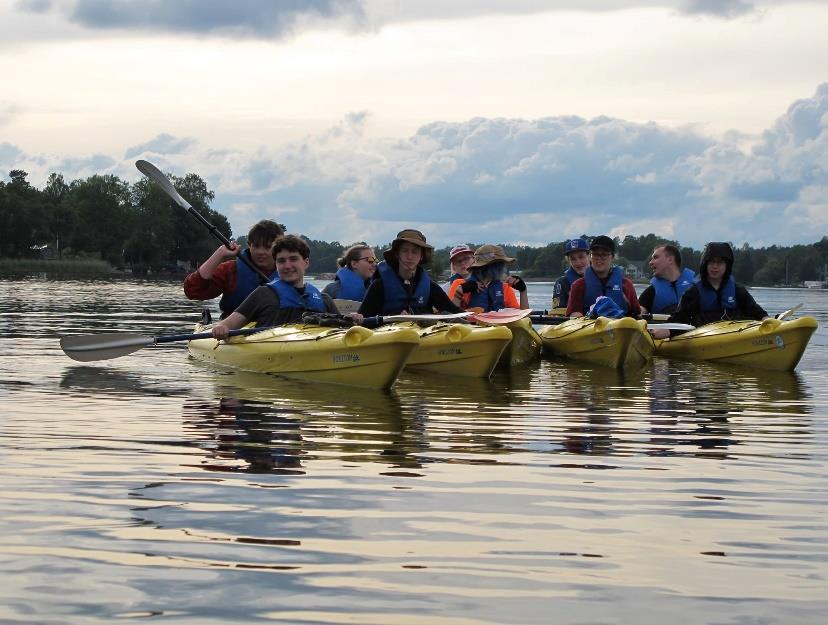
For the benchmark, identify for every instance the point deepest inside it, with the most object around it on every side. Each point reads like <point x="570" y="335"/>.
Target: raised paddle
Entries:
<point x="784" y="315"/>
<point x="157" y="176"/>
<point x="90" y="347"/>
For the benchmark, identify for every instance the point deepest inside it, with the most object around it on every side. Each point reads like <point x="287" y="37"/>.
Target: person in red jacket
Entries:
<point x="233" y="279"/>
<point x="602" y="278"/>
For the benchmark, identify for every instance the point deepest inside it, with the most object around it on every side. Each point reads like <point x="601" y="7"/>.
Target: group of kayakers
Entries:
<point x="399" y="283"/>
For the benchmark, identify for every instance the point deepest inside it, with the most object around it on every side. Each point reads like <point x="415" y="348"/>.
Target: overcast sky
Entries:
<point x="474" y="120"/>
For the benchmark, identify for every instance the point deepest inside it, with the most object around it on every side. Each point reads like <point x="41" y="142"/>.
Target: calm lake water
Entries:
<point x="153" y="488"/>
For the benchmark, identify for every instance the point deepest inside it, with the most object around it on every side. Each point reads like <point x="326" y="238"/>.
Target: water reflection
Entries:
<point x="90" y="379"/>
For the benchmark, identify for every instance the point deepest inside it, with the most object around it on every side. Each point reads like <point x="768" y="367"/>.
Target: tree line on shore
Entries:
<point x="137" y="226"/>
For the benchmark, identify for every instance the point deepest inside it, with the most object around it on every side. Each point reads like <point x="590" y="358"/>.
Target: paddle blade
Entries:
<point x="502" y="316"/>
<point x="90" y="347"/>
<point x="157" y="176"/>
<point x="784" y="315"/>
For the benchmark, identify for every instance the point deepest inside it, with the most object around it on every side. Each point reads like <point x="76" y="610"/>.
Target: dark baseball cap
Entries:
<point x="575" y="245"/>
<point x="603" y="241"/>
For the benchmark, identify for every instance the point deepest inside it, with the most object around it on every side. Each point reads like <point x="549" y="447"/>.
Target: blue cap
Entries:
<point x="573" y="245"/>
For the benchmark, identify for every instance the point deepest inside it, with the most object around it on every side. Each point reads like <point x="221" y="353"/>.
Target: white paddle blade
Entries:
<point x="445" y="317"/>
<point x="157" y="176"/>
<point x="784" y="315"/>
<point x="670" y="326"/>
<point x="90" y="347"/>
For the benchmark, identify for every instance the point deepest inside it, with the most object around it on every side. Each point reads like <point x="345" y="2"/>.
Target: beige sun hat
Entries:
<point x="488" y="254"/>
<point x="410" y="236"/>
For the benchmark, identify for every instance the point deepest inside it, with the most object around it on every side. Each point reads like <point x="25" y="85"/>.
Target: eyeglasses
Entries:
<point x="370" y="259"/>
<point x="601" y="255"/>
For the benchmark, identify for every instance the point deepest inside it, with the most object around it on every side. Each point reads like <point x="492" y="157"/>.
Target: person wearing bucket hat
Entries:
<point x="715" y="294"/>
<point x="401" y="284"/>
<point x="461" y="257"/>
<point x="577" y="255"/>
<point x="490" y="286"/>
<point x="602" y="278"/>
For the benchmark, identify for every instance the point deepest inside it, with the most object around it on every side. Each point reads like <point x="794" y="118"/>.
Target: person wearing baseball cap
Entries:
<point x="490" y="286"/>
<point x="461" y="257"/>
<point x="602" y="278"/>
<point x="577" y="255"/>
<point x="401" y="285"/>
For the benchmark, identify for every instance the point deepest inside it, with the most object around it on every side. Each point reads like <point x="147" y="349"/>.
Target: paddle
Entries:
<point x="784" y="315"/>
<point x="155" y="174"/>
<point x="553" y="320"/>
<point x="90" y="347"/>
<point x="375" y="322"/>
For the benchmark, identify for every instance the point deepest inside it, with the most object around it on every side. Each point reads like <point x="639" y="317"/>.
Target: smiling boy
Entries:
<point x="284" y="299"/>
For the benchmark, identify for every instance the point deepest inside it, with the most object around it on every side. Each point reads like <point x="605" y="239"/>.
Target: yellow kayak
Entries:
<point x="618" y="343"/>
<point x="354" y="356"/>
<point x="769" y="344"/>
<point x="524" y="347"/>
<point x="457" y="349"/>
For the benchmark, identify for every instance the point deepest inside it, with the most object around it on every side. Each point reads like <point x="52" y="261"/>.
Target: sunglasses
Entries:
<point x="370" y="259"/>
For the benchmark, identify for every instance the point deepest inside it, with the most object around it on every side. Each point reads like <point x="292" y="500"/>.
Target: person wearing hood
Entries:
<point x="669" y="281"/>
<point x="602" y="279"/>
<point x="577" y="255"/>
<point x="715" y="294"/>
<point x="401" y="285"/>
<point x="489" y="285"/>
<point x="356" y="268"/>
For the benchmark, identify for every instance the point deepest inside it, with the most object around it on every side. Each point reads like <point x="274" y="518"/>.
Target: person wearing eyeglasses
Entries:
<point x="401" y="284"/>
<point x="602" y="278"/>
<point x="356" y="268"/>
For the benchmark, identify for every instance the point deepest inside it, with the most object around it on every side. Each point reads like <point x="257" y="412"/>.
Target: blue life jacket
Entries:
<point x="668" y="294"/>
<point x="351" y="285"/>
<point x="247" y="281"/>
<point x="490" y="299"/>
<point x="562" y="287"/>
<point x="397" y="298"/>
<point x="721" y="301"/>
<point x="613" y="289"/>
<point x="289" y="296"/>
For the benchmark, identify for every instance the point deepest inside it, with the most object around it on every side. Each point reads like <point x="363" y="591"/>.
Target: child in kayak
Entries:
<point x="489" y="286"/>
<point x="233" y="279"/>
<point x="401" y="284"/>
<point x="602" y="278"/>
<point x="356" y="268"/>
<point x="577" y="255"/>
<point x="284" y="299"/>
<point x="715" y="294"/>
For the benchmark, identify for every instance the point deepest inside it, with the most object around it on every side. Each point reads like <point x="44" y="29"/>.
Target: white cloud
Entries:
<point x="510" y="180"/>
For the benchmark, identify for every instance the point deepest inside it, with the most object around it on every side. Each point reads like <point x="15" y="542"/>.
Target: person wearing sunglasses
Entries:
<point x="602" y="278"/>
<point x="356" y="268"/>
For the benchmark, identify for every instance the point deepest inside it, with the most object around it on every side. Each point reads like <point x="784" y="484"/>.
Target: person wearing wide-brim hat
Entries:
<point x="489" y="285"/>
<point x="577" y="255"/>
<point x="401" y="284"/>
<point x="603" y="279"/>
